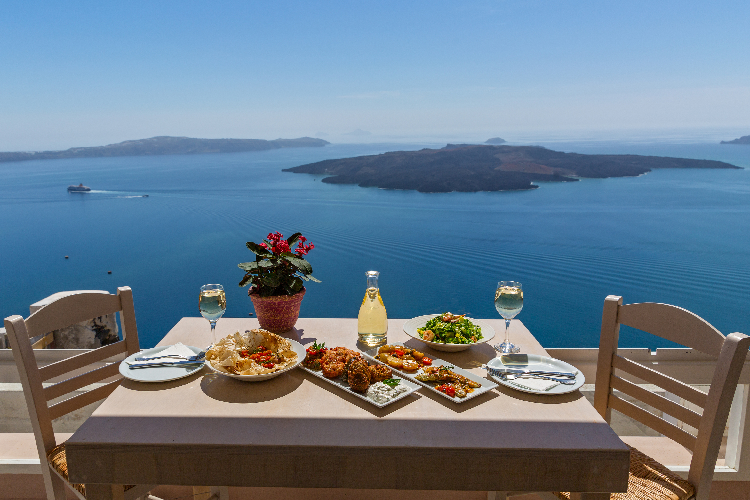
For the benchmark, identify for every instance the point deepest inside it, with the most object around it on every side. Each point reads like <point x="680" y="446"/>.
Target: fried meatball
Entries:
<point x="358" y="374"/>
<point x="378" y="373"/>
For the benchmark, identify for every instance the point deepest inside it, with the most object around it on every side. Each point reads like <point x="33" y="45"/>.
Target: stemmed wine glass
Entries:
<point x="508" y="302"/>
<point x="212" y="303"/>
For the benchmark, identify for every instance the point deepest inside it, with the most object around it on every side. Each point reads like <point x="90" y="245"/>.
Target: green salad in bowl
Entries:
<point x="450" y="328"/>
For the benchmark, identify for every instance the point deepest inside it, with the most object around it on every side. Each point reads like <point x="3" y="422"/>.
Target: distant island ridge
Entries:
<point x="165" y="145"/>
<point x="473" y="168"/>
<point x="745" y="139"/>
<point x="495" y="141"/>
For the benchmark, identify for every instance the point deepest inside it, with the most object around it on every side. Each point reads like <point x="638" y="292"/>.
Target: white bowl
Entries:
<point x="298" y="348"/>
<point x="410" y="328"/>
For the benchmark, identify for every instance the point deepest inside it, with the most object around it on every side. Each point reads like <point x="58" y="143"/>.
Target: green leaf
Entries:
<point x="270" y="279"/>
<point x="296" y="285"/>
<point x="248" y="266"/>
<point x="311" y="278"/>
<point x="266" y="264"/>
<point x="300" y="263"/>
<point x="257" y="249"/>
<point x="293" y="239"/>
<point x="246" y="279"/>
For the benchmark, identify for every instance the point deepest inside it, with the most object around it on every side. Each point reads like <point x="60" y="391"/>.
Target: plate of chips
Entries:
<point x="254" y="355"/>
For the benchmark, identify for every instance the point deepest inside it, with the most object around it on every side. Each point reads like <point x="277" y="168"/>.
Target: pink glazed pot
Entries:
<point x="278" y="313"/>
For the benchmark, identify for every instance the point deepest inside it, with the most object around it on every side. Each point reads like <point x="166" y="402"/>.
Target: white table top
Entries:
<point x="298" y="431"/>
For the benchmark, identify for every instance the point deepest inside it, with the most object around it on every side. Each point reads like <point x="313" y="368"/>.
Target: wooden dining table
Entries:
<point x="297" y="431"/>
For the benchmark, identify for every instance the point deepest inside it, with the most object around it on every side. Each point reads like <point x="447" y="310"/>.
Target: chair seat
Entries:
<point x="650" y="480"/>
<point x="58" y="460"/>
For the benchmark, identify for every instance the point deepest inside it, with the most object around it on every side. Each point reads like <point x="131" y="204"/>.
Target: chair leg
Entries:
<point x="220" y="492"/>
<point x="210" y="493"/>
<point x="497" y="495"/>
<point x="54" y="485"/>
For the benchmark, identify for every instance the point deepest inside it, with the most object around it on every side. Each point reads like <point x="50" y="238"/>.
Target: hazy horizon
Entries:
<point x="88" y="74"/>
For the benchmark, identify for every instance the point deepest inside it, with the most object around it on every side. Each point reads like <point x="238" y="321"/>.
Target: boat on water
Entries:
<point x="78" y="189"/>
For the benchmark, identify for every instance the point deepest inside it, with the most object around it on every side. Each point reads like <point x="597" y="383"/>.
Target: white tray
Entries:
<point x="486" y="385"/>
<point x="536" y="362"/>
<point x="339" y="382"/>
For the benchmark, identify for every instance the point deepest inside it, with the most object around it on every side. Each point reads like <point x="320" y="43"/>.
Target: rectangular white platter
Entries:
<point x="339" y="382"/>
<point x="486" y="385"/>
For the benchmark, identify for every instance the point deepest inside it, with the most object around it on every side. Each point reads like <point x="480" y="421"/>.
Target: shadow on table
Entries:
<point x="162" y="386"/>
<point x="230" y="390"/>
<point x="549" y="399"/>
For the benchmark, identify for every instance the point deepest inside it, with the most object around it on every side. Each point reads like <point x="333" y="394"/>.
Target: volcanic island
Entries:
<point x="474" y="168"/>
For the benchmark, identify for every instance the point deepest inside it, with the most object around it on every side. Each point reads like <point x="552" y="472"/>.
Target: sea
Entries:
<point x="675" y="236"/>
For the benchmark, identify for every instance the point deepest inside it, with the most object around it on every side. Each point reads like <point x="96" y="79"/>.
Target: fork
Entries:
<point x="197" y="357"/>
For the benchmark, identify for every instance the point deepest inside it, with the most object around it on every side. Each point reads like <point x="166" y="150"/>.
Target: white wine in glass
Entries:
<point x="508" y="302"/>
<point x="212" y="303"/>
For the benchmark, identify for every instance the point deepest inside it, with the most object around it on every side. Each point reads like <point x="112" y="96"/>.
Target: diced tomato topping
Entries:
<point x="245" y="354"/>
<point x="447" y="389"/>
<point x="426" y="361"/>
<point x="268" y="365"/>
<point x="399" y="352"/>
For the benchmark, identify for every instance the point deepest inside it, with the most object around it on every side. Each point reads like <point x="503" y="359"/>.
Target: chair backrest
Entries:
<point x="685" y="328"/>
<point x="61" y="313"/>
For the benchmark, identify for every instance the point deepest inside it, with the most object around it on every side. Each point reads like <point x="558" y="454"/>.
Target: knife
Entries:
<point x="514" y="371"/>
<point x="166" y="363"/>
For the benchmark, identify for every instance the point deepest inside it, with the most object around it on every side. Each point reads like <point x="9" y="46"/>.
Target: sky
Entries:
<point x="91" y="73"/>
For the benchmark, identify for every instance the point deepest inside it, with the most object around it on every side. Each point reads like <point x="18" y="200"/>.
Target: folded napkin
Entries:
<point x="534" y="384"/>
<point x="178" y="349"/>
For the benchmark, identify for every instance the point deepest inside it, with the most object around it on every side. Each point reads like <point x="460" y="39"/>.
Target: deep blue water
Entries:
<point x="675" y="236"/>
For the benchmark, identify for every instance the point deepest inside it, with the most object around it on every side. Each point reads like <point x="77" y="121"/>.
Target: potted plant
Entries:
<point x="276" y="279"/>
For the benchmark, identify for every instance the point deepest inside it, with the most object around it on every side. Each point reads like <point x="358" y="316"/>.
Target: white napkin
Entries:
<point x="534" y="384"/>
<point x="178" y="349"/>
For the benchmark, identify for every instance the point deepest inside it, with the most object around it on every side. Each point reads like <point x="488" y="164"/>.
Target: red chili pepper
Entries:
<point x="426" y="361"/>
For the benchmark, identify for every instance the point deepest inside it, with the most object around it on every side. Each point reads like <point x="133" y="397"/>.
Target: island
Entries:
<point x="745" y="139"/>
<point x="495" y="141"/>
<point x="473" y="168"/>
<point x="165" y="145"/>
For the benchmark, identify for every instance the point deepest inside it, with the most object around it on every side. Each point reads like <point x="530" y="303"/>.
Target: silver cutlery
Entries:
<point x="197" y="357"/>
<point x="565" y="381"/>
<point x="168" y="363"/>
<point x="517" y="371"/>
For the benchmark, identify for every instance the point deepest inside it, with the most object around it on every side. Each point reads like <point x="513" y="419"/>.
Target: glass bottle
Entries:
<point x="372" y="322"/>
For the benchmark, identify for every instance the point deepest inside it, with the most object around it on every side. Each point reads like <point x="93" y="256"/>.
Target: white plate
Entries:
<point x="158" y="373"/>
<point x="296" y="347"/>
<point x="486" y="385"/>
<point x="410" y="327"/>
<point x="536" y="362"/>
<point x="339" y="382"/>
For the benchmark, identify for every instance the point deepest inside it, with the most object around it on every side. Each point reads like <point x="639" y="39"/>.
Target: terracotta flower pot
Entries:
<point x="278" y="313"/>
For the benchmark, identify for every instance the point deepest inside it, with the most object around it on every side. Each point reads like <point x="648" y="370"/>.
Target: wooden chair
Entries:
<point x="648" y="478"/>
<point x="62" y="313"/>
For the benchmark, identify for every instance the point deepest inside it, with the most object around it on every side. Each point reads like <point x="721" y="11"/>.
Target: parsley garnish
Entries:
<point x="393" y="382"/>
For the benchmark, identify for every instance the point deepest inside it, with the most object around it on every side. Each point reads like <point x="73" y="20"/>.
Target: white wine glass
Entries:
<point x="212" y="303"/>
<point x="508" y="302"/>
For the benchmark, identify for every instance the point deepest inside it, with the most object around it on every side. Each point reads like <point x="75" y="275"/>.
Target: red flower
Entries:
<point x="263" y="245"/>
<point x="275" y="237"/>
<point x="281" y="247"/>
<point x="302" y="239"/>
<point x="303" y="249"/>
